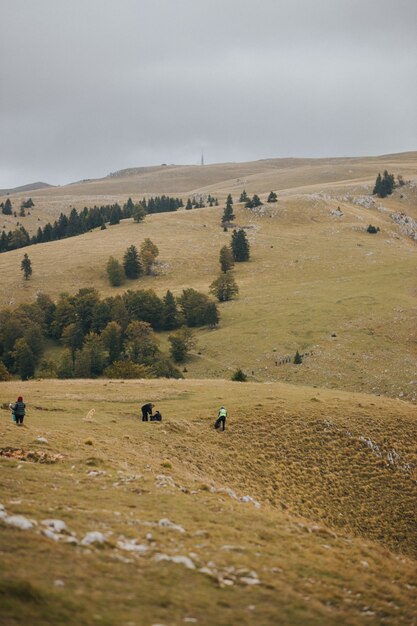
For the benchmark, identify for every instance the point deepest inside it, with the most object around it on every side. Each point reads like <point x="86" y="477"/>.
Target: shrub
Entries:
<point x="239" y="376"/>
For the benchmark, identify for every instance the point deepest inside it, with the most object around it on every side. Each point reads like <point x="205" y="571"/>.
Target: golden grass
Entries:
<point x="314" y="566"/>
<point x="311" y="275"/>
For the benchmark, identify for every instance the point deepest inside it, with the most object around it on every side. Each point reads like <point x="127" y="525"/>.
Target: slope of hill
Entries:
<point x="25" y="188"/>
<point x="301" y="512"/>
<point x="317" y="282"/>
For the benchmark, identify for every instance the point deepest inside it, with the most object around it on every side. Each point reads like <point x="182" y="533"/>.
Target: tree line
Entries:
<point x="385" y="184"/>
<point x="80" y="222"/>
<point x="114" y="336"/>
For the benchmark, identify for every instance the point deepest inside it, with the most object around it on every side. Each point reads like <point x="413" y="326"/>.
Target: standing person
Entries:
<point x="147" y="411"/>
<point x="221" y="418"/>
<point x="18" y="410"/>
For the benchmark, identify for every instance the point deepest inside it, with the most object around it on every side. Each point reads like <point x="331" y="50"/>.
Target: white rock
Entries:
<point x="250" y="499"/>
<point x="41" y="440"/>
<point x="166" y="523"/>
<point x="56" y="525"/>
<point x="132" y="546"/>
<point x="93" y="537"/>
<point x="50" y="534"/>
<point x="59" y="583"/>
<point x="19" y="521"/>
<point x="250" y="581"/>
<point x="181" y="560"/>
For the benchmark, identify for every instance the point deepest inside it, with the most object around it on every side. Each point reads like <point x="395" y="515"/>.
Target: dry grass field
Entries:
<point x="301" y="512"/>
<point x="316" y="282"/>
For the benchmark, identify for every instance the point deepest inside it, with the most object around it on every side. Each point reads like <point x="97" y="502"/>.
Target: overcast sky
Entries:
<point x="92" y="86"/>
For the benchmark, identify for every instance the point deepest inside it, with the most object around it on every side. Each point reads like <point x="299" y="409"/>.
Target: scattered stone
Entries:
<point x="59" y="583"/>
<point x="93" y="537"/>
<point x="56" y="525"/>
<point x="19" y="521"/>
<point x="166" y="523"/>
<point x="181" y="560"/>
<point x="130" y="545"/>
<point x="41" y="440"/>
<point x="164" y="481"/>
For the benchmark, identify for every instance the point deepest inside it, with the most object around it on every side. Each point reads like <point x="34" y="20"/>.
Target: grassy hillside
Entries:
<point x="315" y="282"/>
<point x="291" y="516"/>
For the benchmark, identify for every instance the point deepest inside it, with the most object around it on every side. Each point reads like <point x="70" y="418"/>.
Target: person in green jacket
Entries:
<point x="221" y="418"/>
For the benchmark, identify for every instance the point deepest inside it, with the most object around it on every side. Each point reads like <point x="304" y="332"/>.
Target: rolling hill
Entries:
<point x="303" y="510"/>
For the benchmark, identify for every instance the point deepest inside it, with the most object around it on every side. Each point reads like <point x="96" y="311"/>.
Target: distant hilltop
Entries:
<point x="23" y="188"/>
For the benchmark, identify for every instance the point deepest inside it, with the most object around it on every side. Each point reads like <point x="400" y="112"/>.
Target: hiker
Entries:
<point x="147" y="411"/>
<point x="221" y="418"/>
<point x="156" y="417"/>
<point x="18" y="411"/>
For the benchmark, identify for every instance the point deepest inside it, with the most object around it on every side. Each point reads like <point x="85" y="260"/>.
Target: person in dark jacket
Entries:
<point x="18" y="410"/>
<point x="147" y="411"/>
<point x="156" y="417"/>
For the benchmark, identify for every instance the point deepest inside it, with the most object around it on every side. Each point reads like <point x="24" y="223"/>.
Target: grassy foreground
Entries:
<point x="302" y="512"/>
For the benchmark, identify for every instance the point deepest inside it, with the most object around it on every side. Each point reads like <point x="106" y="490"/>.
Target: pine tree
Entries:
<point x="138" y="212"/>
<point x="272" y="197"/>
<point x="189" y="205"/>
<point x="239" y="376"/>
<point x="7" y="207"/>
<point x="131" y="263"/>
<point x="228" y="215"/>
<point x="298" y="358"/>
<point x="224" y="287"/>
<point x="243" y="196"/>
<point x="211" y="317"/>
<point x="240" y="246"/>
<point x="226" y="259"/>
<point x="377" y="186"/>
<point x="26" y="267"/>
<point x="115" y="272"/>
<point x="171" y="319"/>
<point x="112" y="341"/>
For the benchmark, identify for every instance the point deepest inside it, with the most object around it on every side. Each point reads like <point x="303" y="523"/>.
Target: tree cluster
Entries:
<point x="384" y="185"/>
<point x="134" y="263"/>
<point x="117" y="332"/>
<point x="253" y="202"/>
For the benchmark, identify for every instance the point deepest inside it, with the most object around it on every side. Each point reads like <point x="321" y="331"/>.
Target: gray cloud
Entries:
<point x="90" y="86"/>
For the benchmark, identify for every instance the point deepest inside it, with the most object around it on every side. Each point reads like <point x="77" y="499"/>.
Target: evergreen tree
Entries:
<point x="189" y="205"/>
<point x="7" y="207"/>
<point x="148" y="253"/>
<point x="228" y="215"/>
<point x="239" y="376"/>
<point x="298" y="358"/>
<point x="131" y="263"/>
<point x="170" y="312"/>
<point x="26" y="267"/>
<point x="115" y="272"/>
<point x="256" y="201"/>
<point x="272" y="197"/>
<point x="243" y="196"/>
<point x="226" y="259"/>
<point x="240" y="246"/>
<point x="22" y="212"/>
<point x="377" y="186"/>
<point x="112" y="341"/>
<point x="65" y="365"/>
<point x="115" y="215"/>
<point x="224" y="287"/>
<point x="128" y="208"/>
<point x="211" y="315"/>
<point x="24" y="359"/>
